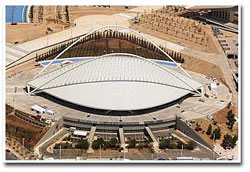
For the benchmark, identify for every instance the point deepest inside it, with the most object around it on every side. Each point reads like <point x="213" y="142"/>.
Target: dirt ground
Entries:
<point x="8" y="109"/>
<point x="209" y="49"/>
<point x="221" y="119"/>
<point x="35" y="133"/>
<point x="29" y="31"/>
<point x="16" y="128"/>
<point x="203" y="67"/>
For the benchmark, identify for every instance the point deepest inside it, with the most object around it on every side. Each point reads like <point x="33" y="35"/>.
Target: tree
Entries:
<point x="31" y="13"/>
<point x="209" y="129"/>
<point x="216" y="134"/>
<point x="58" y="14"/>
<point x="97" y="143"/>
<point x="227" y="141"/>
<point x="67" y="13"/>
<point x="107" y="145"/>
<point x="132" y="143"/>
<point x="84" y="144"/>
<point x="140" y="145"/>
<point x="231" y="119"/>
<point x="191" y="145"/>
<point x="165" y="143"/>
<point x="180" y="144"/>
<point x="40" y="14"/>
<point x="66" y="146"/>
<point x="57" y="146"/>
<point x="146" y="143"/>
<point x="234" y="141"/>
<point x="113" y="142"/>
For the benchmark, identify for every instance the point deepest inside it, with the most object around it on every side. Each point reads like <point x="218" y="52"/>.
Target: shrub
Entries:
<point x="209" y="130"/>
<point x="132" y="143"/>
<point x="113" y="142"/>
<point x="180" y="145"/>
<point x="84" y="144"/>
<point x="191" y="145"/>
<point x="165" y="143"/>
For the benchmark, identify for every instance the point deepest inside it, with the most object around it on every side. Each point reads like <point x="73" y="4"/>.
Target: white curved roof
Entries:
<point x="115" y="82"/>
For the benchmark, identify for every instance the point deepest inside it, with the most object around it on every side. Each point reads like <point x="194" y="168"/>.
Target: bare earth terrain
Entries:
<point x="25" y="32"/>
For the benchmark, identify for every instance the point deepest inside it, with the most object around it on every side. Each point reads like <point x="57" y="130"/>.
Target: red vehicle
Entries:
<point x="198" y="129"/>
<point x="36" y="117"/>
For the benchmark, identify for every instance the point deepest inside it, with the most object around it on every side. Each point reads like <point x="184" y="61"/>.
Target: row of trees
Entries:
<point x="214" y="134"/>
<point x="83" y="144"/>
<point x="97" y="36"/>
<point x="40" y="14"/>
<point x="229" y="142"/>
<point x="67" y="14"/>
<point x="231" y="119"/>
<point x="112" y="143"/>
<point x="31" y="11"/>
<point x="100" y="143"/>
<point x="168" y="144"/>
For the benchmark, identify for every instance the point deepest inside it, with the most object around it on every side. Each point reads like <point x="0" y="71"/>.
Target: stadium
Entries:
<point x="116" y="89"/>
<point x="112" y="82"/>
<point x="140" y="77"/>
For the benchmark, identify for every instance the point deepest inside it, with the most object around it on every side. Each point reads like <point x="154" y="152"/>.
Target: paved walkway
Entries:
<point x="13" y="53"/>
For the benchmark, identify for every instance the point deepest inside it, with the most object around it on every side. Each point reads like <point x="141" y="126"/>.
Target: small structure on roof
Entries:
<point x="213" y="86"/>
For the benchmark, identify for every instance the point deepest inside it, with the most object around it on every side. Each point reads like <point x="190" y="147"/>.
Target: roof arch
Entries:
<point x="120" y="29"/>
<point x="113" y="68"/>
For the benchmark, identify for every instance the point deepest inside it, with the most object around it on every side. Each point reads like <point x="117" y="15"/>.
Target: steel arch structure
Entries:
<point x="115" y="28"/>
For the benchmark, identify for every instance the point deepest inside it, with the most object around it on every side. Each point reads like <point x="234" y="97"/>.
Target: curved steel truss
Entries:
<point x="119" y="29"/>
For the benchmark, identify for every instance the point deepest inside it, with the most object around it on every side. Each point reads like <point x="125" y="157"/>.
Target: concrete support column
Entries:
<point x="223" y="15"/>
<point x="202" y="91"/>
<point x="90" y="139"/>
<point x="122" y="138"/>
<point x="28" y="89"/>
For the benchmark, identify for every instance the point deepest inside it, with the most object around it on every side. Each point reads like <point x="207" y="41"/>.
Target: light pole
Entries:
<point x="213" y="141"/>
<point x="124" y="154"/>
<point x="100" y="152"/>
<point x="23" y="142"/>
<point x="47" y="38"/>
<point x="60" y="151"/>
<point x="71" y="32"/>
<point x="181" y="149"/>
<point x="14" y="99"/>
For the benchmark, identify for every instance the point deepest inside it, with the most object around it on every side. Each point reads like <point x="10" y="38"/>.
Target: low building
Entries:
<point x="80" y="133"/>
<point x="38" y="109"/>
